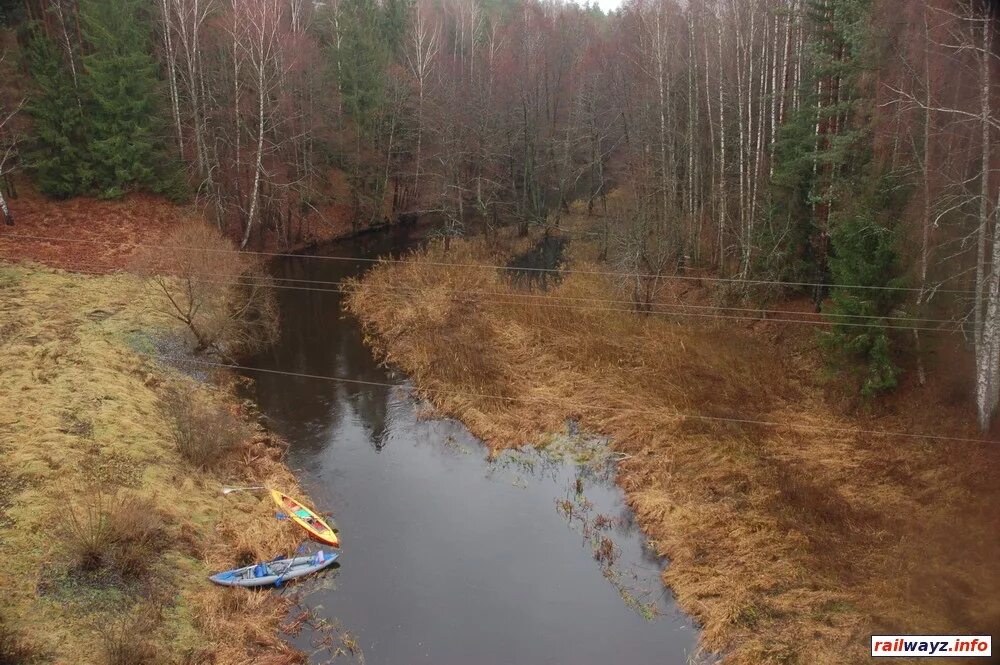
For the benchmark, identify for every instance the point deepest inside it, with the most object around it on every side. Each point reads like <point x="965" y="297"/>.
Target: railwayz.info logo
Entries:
<point x="931" y="646"/>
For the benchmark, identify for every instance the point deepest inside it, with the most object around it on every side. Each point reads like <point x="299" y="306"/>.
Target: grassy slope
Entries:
<point x="787" y="545"/>
<point x="81" y="408"/>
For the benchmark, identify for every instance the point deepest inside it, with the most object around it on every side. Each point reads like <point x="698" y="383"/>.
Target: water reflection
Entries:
<point x="448" y="558"/>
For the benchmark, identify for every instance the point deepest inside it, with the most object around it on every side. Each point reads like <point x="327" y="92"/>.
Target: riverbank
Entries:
<point x="108" y="530"/>
<point x="791" y="539"/>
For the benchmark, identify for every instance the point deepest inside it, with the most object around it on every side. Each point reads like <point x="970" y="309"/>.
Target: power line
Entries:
<point x="677" y="415"/>
<point x="956" y="327"/>
<point x="532" y="296"/>
<point x="560" y="271"/>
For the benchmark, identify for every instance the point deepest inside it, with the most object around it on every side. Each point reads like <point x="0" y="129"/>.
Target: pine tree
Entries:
<point x="121" y="82"/>
<point x="57" y="154"/>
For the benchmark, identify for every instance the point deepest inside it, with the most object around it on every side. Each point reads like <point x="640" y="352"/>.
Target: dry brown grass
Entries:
<point x="787" y="545"/>
<point x="82" y="410"/>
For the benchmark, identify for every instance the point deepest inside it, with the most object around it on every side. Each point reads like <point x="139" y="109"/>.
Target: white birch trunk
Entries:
<point x="722" y="160"/>
<point x="711" y="128"/>
<point x="660" y="86"/>
<point x="259" y="159"/>
<point x="171" y="55"/>
<point x="8" y="216"/>
<point x="984" y="334"/>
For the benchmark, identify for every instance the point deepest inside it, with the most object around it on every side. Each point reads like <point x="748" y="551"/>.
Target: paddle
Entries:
<point x="229" y="490"/>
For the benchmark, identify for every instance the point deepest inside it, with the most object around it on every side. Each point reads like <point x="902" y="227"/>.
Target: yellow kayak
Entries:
<point x="306" y="519"/>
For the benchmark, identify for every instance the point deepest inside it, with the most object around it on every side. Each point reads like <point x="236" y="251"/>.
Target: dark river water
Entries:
<point x="448" y="557"/>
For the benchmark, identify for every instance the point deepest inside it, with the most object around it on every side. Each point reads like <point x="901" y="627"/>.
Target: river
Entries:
<point x="449" y="558"/>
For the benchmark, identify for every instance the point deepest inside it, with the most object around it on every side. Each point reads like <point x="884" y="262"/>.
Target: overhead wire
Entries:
<point x="676" y="415"/>
<point x="511" y="299"/>
<point x="555" y="297"/>
<point x="563" y="271"/>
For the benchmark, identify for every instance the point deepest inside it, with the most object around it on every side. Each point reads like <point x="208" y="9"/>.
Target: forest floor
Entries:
<point x="791" y="539"/>
<point x="85" y="234"/>
<point x="85" y="438"/>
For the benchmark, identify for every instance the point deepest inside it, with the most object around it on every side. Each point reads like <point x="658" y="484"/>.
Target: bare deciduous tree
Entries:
<point x="224" y="298"/>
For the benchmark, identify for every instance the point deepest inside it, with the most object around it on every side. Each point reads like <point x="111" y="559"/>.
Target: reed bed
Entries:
<point x="787" y="544"/>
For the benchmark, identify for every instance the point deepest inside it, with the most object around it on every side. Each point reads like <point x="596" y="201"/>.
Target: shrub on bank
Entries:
<point x="224" y="298"/>
<point x="203" y="430"/>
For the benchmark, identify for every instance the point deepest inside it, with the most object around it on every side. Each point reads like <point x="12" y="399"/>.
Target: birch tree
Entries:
<point x="972" y="41"/>
<point x="256" y="36"/>
<point x="420" y="57"/>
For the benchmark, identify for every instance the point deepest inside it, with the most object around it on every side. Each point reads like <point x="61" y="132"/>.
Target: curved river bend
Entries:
<point x="449" y="558"/>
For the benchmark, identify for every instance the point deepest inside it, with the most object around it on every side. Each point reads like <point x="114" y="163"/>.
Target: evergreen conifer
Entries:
<point x="123" y="145"/>
<point x="56" y="153"/>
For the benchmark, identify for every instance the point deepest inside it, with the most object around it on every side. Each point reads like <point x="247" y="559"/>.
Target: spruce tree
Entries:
<point x="363" y="58"/>
<point x="57" y="152"/>
<point x="121" y="84"/>
<point x="816" y="148"/>
<point x="864" y="201"/>
<point x="394" y="23"/>
<point x="831" y="206"/>
<point x="787" y="237"/>
<point x="864" y="268"/>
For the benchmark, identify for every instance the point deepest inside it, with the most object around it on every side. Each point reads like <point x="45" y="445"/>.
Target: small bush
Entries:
<point x="125" y="639"/>
<point x="136" y="526"/>
<point x="204" y="430"/>
<point x="115" y="534"/>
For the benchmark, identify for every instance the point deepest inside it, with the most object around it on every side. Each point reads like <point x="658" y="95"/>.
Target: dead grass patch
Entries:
<point x="14" y="648"/>
<point x="787" y="544"/>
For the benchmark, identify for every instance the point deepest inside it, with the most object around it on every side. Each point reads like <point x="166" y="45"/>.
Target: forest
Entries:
<point x="840" y="149"/>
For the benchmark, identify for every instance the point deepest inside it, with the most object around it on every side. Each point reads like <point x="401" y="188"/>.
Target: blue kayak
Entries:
<point x="275" y="572"/>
